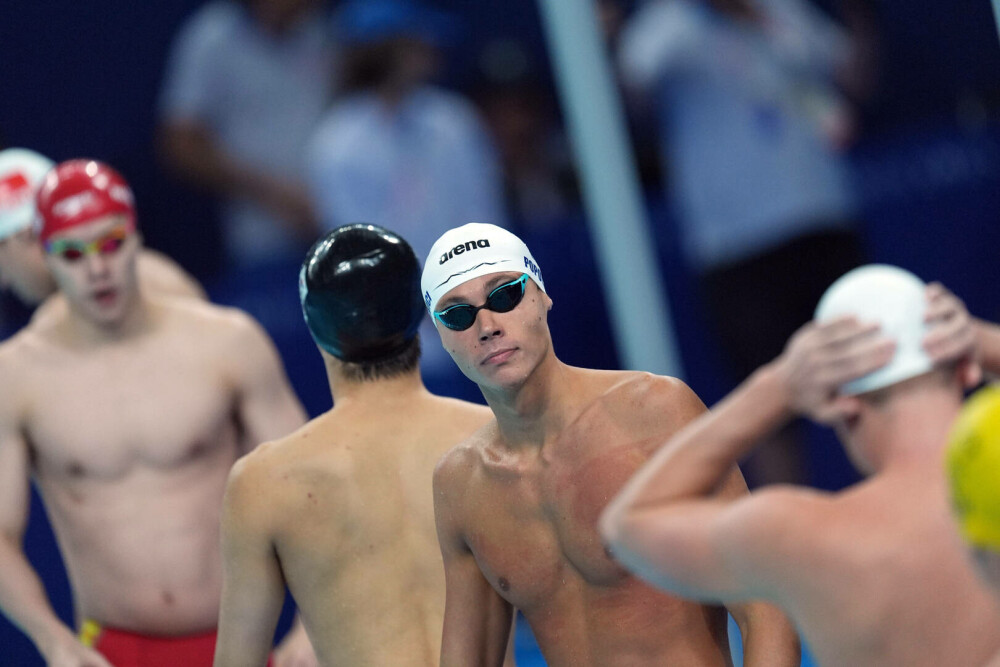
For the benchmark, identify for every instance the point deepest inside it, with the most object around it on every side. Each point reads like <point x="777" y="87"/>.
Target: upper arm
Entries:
<point x="253" y="588"/>
<point x="15" y="464"/>
<point x="268" y="407"/>
<point x="476" y="619"/>
<point x="719" y="548"/>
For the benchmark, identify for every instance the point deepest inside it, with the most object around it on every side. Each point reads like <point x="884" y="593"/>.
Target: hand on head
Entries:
<point x="951" y="335"/>
<point x="823" y="356"/>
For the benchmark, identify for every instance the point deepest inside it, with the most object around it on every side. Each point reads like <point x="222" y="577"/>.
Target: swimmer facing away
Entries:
<point x="341" y="510"/>
<point x="874" y="574"/>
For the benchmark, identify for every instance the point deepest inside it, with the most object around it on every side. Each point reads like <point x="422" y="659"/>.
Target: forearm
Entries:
<point x="195" y="157"/>
<point x="247" y="620"/>
<point x="769" y="639"/>
<point x="23" y="599"/>
<point x="697" y="459"/>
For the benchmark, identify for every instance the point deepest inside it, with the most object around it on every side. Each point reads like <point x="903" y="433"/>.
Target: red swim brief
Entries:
<point x="130" y="649"/>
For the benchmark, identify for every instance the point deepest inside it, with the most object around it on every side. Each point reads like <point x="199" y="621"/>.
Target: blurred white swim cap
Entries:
<point x="896" y="300"/>
<point x="470" y="251"/>
<point x="21" y="172"/>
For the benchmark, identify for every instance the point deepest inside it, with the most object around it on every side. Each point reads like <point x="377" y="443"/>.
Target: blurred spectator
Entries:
<point x="540" y="185"/>
<point x="396" y="150"/>
<point x="753" y="126"/>
<point x="399" y="152"/>
<point x="246" y="83"/>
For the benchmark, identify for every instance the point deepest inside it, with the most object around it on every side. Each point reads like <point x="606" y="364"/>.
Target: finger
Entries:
<point x="948" y="345"/>
<point x="944" y="307"/>
<point x="859" y="361"/>
<point x="948" y="328"/>
<point x="972" y="374"/>
<point x="934" y="290"/>
<point x="844" y="331"/>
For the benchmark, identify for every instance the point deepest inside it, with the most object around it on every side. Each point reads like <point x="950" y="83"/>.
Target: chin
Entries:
<point x="506" y="377"/>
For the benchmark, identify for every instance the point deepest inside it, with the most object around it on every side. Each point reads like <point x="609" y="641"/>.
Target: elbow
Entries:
<point x="617" y="533"/>
<point x="630" y="544"/>
<point x="617" y="524"/>
<point x="609" y="525"/>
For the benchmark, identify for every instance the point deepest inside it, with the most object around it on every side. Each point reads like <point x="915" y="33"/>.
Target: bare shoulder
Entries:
<point x="461" y="414"/>
<point x="18" y="352"/>
<point x="203" y="314"/>
<point x="261" y="481"/>
<point x="162" y="275"/>
<point x="644" y="402"/>
<point x="460" y="463"/>
<point x="225" y="330"/>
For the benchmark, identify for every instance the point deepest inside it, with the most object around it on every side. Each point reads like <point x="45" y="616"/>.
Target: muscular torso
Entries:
<point x="530" y="520"/>
<point x="130" y="444"/>
<point x="352" y="507"/>
<point x="897" y="587"/>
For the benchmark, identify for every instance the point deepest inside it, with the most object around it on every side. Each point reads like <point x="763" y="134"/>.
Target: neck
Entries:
<point x="528" y="414"/>
<point x="916" y="433"/>
<point x="135" y="321"/>
<point x="344" y="390"/>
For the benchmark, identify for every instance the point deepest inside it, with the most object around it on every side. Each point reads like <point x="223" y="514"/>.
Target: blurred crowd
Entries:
<point x="296" y="116"/>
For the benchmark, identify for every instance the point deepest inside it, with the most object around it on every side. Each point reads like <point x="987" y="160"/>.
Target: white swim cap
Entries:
<point x="21" y="172"/>
<point x="470" y="251"/>
<point x="893" y="298"/>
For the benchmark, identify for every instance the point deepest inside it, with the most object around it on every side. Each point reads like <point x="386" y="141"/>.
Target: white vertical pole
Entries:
<point x="626" y="256"/>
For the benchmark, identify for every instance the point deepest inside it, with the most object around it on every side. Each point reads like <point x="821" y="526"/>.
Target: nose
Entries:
<point x="97" y="264"/>
<point x="489" y="326"/>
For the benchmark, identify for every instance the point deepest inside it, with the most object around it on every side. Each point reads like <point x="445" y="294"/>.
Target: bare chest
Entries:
<point x="535" y="534"/>
<point x="101" y="417"/>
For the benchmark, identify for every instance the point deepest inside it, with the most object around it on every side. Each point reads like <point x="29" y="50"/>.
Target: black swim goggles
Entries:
<point x="503" y="299"/>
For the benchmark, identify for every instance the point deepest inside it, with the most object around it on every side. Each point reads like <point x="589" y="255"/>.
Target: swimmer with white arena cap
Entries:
<point x="341" y="510"/>
<point x="127" y="409"/>
<point x="22" y="262"/>
<point x="874" y="574"/>
<point x="517" y="503"/>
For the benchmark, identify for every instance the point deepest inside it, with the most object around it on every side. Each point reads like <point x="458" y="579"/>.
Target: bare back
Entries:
<point x="529" y="520"/>
<point x="130" y="443"/>
<point x="885" y="586"/>
<point x="349" y="508"/>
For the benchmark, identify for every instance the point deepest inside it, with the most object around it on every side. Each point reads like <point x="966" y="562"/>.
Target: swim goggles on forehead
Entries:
<point x="503" y="299"/>
<point x="72" y="250"/>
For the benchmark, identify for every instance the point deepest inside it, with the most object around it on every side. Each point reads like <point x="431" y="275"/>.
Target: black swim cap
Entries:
<point x="360" y="293"/>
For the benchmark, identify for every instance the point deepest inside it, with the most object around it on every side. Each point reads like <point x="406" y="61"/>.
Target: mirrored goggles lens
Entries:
<point x="501" y="300"/>
<point x="72" y="251"/>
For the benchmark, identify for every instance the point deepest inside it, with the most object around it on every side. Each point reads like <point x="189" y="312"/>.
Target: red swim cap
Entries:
<point x="78" y="191"/>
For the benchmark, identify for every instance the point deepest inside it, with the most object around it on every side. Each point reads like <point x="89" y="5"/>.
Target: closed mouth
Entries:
<point x="499" y="356"/>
